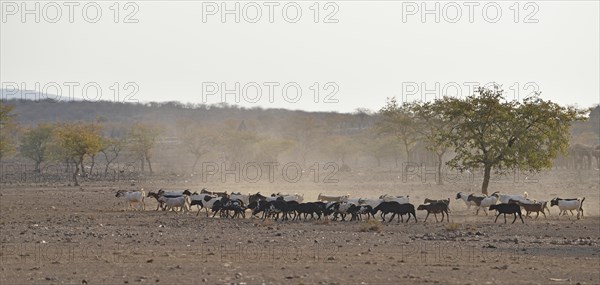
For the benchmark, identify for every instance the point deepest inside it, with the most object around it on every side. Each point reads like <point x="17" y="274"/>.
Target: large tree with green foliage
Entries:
<point x="492" y="133"/>
<point x="35" y="143"/>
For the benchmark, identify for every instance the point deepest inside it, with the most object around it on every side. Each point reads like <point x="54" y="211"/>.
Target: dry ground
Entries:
<point x="55" y="234"/>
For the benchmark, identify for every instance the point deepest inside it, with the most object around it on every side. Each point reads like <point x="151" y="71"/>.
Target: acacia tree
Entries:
<point x="305" y="132"/>
<point x="341" y="147"/>
<point x="495" y="134"/>
<point x="78" y="140"/>
<point x="398" y="121"/>
<point x="375" y="145"/>
<point x="111" y="148"/>
<point x="434" y="128"/>
<point x="7" y="127"/>
<point x="35" y="144"/>
<point x="198" y="140"/>
<point x="268" y="149"/>
<point x="143" y="139"/>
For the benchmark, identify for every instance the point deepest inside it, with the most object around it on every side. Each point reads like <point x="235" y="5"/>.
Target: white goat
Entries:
<point x="132" y="197"/>
<point x="504" y="199"/>
<point x="327" y="198"/>
<point x="175" y="202"/>
<point x="565" y="205"/>
<point x="399" y="199"/>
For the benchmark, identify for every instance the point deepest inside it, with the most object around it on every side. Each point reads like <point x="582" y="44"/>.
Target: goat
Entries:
<point x="160" y="204"/>
<point x="505" y="208"/>
<point x="255" y="197"/>
<point x="132" y="197"/>
<point x="208" y="202"/>
<point x="506" y="198"/>
<point x="327" y="198"/>
<point x="239" y="196"/>
<point x="308" y="208"/>
<point x="399" y="199"/>
<point x="175" y="202"/>
<point x="225" y="205"/>
<point x="286" y="198"/>
<point x="340" y="208"/>
<point x="325" y="210"/>
<point x="396" y="209"/>
<point x="536" y="207"/>
<point x="431" y="201"/>
<point x="219" y="194"/>
<point x="371" y="202"/>
<point x="199" y="200"/>
<point x="483" y="202"/>
<point x="465" y="198"/>
<point x="436" y="208"/>
<point x="358" y="211"/>
<point x="276" y="207"/>
<point x="258" y="207"/>
<point x="565" y="205"/>
<point x="174" y="193"/>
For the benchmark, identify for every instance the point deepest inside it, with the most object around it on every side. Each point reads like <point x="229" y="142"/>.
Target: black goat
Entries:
<point x="308" y="208"/>
<point x="358" y="211"/>
<point x="396" y="209"/>
<point x="506" y="208"/>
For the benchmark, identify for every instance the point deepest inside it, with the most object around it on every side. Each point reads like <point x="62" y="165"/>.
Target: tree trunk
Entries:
<point x="92" y="165"/>
<point x="76" y="173"/>
<point x="439" y="169"/>
<point x="142" y="164"/>
<point x="195" y="162"/>
<point x="486" y="179"/>
<point x="37" y="166"/>
<point x="107" y="164"/>
<point x="149" y="165"/>
<point x="82" y="167"/>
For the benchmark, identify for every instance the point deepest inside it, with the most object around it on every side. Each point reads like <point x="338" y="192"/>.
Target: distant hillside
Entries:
<point x="30" y="112"/>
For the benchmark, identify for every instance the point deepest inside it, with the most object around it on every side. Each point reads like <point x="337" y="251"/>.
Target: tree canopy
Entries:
<point x="492" y="133"/>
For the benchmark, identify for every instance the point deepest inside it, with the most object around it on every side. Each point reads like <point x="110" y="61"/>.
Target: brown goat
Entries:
<point x="436" y="208"/>
<point x="536" y="207"/>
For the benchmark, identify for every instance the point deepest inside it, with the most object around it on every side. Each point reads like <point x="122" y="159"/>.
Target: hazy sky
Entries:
<point x="377" y="49"/>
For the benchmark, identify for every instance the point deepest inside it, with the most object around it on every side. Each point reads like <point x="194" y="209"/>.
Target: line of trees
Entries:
<point x="483" y="131"/>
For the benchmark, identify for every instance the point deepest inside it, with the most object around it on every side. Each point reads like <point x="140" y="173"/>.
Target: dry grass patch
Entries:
<point x="372" y="225"/>
<point x="452" y="226"/>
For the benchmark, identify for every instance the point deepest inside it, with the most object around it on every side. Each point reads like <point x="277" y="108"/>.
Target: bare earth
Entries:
<point x="56" y="234"/>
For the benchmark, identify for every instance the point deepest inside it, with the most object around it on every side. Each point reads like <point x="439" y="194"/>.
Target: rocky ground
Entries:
<point x="56" y="234"/>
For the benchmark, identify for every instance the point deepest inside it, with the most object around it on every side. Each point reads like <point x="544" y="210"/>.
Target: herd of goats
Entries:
<point x="292" y="206"/>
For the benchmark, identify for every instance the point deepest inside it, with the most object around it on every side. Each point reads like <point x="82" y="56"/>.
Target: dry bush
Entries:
<point x="372" y="225"/>
<point x="452" y="226"/>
